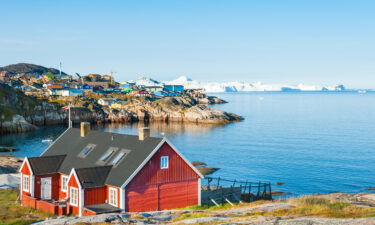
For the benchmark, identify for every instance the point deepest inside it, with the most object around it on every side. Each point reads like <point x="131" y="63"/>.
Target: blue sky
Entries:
<point x="280" y="41"/>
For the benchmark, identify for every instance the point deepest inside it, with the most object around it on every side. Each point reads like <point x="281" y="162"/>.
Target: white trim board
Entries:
<point x="26" y="160"/>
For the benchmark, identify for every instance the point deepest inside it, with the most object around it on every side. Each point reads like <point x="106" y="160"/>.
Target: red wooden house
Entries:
<point x="90" y="172"/>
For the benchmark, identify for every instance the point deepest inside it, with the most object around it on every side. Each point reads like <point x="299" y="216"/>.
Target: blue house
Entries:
<point x="85" y="87"/>
<point x="173" y="88"/>
<point x="125" y="86"/>
<point x="166" y="94"/>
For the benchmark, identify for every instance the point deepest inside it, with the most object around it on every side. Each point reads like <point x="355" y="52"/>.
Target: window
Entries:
<point x="107" y="155"/>
<point x="164" y="162"/>
<point x="26" y="183"/>
<point x="86" y="150"/>
<point x="118" y="158"/>
<point x="113" y="196"/>
<point x="74" y="196"/>
<point x="64" y="183"/>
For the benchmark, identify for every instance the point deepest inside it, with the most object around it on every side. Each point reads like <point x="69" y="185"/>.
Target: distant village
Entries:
<point x="55" y="87"/>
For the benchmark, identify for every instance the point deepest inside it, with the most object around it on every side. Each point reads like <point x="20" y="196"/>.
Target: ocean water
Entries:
<point x="312" y="142"/>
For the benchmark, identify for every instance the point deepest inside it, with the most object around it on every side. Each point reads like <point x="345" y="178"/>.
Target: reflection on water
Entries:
<point x="159" y="129"/>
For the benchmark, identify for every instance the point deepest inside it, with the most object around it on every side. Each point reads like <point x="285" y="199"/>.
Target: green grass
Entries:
<point x="316" y="206"/>
<point x="191" y="216"/>
<point x="6" y="113"/>
<point x="12" y="213"/>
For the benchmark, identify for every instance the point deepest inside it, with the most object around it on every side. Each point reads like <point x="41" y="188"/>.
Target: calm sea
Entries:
<point x="312" y="142"/>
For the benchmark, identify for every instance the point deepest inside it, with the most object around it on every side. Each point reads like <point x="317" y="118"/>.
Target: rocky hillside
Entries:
<point x="28" y="69"/>
<point x="19" y="113"/>
<point x="173" y="109"/>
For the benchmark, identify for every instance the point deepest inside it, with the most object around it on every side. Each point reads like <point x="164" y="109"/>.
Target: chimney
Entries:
<point x="85" y="128"/>
<point x="144" y="132"/>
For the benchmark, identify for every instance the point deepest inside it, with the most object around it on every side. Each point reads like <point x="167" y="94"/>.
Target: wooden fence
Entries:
<point x="216" y="190"/>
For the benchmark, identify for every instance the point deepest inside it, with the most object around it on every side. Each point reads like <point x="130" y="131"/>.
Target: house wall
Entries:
<point x="73" y="182"/>
<point x="62" y="194"/>
<point x="25" y="170"/>
<point x="95" y="195"/>
<point x="151" y="173"/>
<point x="55" y="185"/>
<point x="154" y="188"/>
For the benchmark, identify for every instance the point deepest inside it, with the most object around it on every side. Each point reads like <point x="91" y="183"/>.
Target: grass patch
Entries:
<point x="191" y="216"/>
<point x="315" y="206"/>
<point x="6" y="113"/>
<point x="12" y="213"/>
<point x="227" y="206"/>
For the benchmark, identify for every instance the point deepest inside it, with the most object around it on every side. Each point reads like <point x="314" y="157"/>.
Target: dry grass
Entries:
<point x="227" y="206"/>
<point x="12" y="213"/>
<point x="316" y="206"/>
<point x="191" y="216"/>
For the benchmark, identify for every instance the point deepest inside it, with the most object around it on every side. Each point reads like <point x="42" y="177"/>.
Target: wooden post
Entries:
<point x="270" y="190"/>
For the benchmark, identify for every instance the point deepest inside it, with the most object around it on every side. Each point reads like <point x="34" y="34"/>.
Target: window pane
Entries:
<point x="118" y="157"/>
<point x="106" y="155"/>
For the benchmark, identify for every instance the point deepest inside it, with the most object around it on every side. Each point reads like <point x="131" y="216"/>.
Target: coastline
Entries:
<point x="24" y="113"/>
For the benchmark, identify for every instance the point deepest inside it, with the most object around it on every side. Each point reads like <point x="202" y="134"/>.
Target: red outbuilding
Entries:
<point x="88" y="172"/>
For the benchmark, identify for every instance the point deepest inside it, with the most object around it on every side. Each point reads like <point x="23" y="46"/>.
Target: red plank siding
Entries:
<point x="151" y="173"/>
<point x="25" y="170"/>
<point x="28" y="201"/>
<point x="178" y="195"/>
<point x="154" y="188"/>
<point x="72" y="182"/>
<point x="62" y="194"/>
<point x="142" y="198"/>
<point x="95" y="195"/>
<point x="55" y="185"/>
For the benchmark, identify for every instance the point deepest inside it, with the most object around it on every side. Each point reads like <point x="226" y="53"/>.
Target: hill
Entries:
<point x="28" y="69"/>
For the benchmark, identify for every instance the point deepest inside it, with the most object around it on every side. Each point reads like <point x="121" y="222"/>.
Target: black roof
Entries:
<point x="90" y="170"/>
<point x="102" y="208"/>
<point x="93" y="176"/>
<point x="47" y="164"/>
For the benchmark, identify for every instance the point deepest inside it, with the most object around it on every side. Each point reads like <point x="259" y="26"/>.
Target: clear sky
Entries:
<point x="279" y="41"/>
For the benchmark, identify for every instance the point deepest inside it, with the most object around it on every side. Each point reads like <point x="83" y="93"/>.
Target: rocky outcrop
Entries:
<point x="18" y="124"/>
<point x="172" y="109"/>
<point x="20" y="113"/>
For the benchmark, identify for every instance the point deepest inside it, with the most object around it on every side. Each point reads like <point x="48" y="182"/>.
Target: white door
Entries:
<point x="46" y="188"/>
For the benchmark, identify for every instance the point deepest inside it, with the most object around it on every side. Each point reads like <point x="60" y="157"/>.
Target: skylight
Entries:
<point x="118" y="158"/>
<point x="106" y="156"/>
<point x="85" y="151"/>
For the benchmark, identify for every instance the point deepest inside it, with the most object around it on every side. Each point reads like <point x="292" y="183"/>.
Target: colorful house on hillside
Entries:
<point x="173" y="88"/>
<point x="90" y="172"/>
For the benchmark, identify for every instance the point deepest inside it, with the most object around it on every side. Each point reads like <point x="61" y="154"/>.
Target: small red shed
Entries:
<point x="90" y="172"/>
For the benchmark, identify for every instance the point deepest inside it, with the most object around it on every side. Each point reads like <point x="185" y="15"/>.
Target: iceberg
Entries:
<point x="247" y="87"/>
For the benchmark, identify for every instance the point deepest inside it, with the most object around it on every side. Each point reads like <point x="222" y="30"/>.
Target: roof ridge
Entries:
<point x="47" y="156"/>
<point x="93" y="167"/>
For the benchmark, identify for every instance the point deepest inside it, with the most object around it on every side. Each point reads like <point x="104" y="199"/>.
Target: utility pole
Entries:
<point x="112" y="78"/>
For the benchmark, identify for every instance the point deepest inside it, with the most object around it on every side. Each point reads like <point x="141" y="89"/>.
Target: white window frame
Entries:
<point x="164" y="162"/>
<point x="64" y="188"/>
<point x="26" y="184"/>
<point x="115" y="200"/>
<point x="71" y="199"/>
